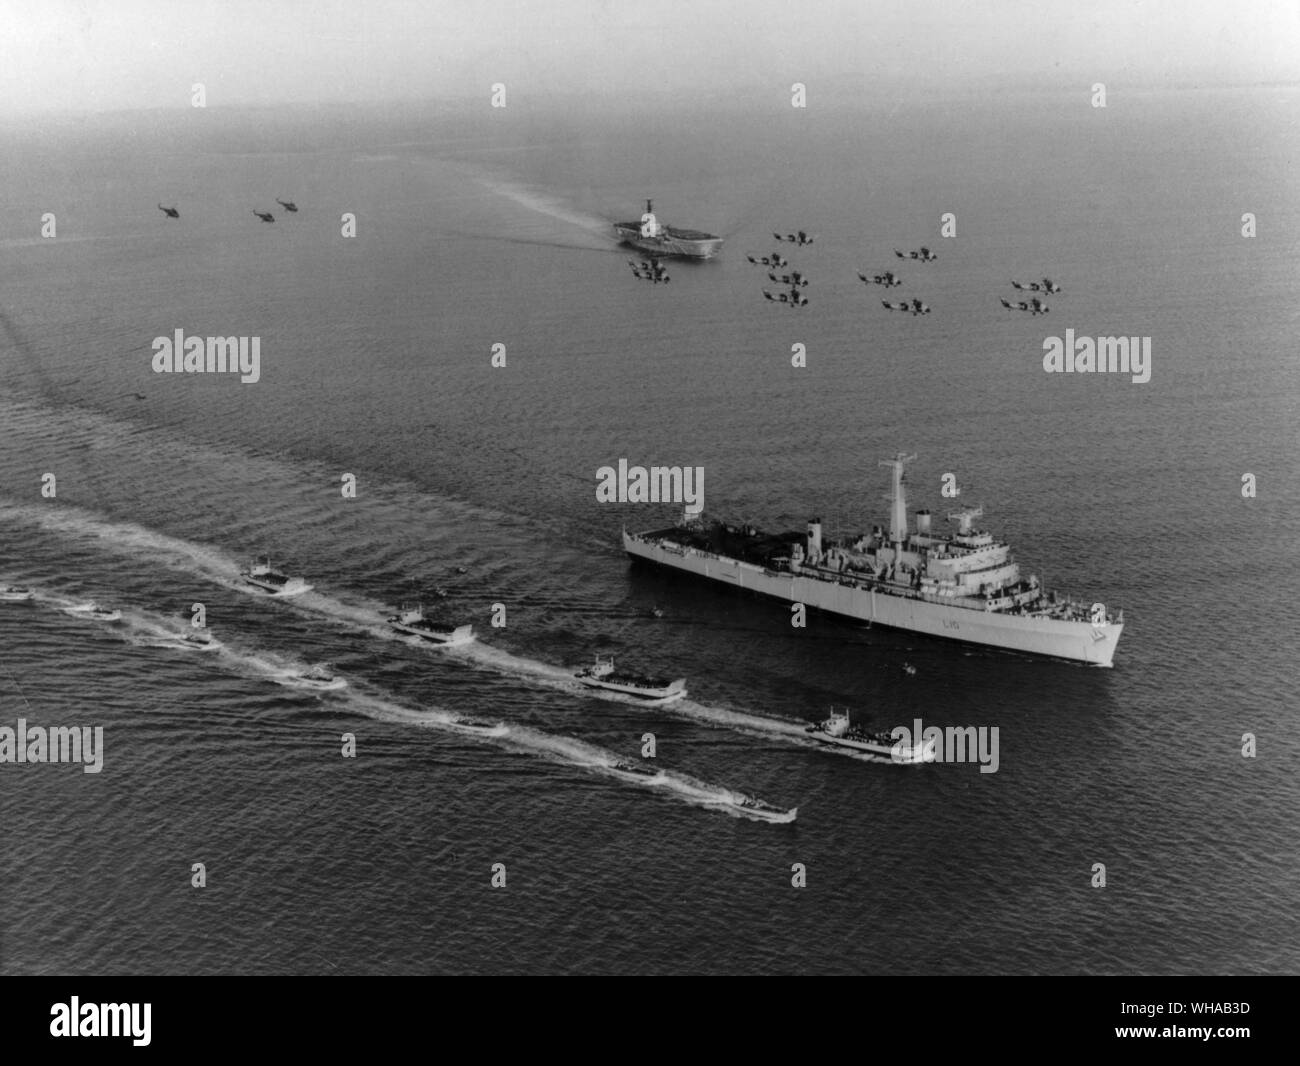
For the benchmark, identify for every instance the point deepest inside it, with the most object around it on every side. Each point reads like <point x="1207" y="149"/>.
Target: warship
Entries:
<point x="964" y="586"/>
<point x="649" y="235"/>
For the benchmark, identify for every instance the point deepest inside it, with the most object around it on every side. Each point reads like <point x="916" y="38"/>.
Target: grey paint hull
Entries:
<point x="669" y="244"/>
<point x="1078" y="641"/>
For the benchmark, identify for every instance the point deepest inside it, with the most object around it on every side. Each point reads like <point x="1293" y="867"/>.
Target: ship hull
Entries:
<point x="657" y="695"/>
<point x="459" y="635"/>
<point x="1058" y="639"/>
<point x="705" y="246"/>
<point x="914" y="755"/>
<point x="295" y="586"/>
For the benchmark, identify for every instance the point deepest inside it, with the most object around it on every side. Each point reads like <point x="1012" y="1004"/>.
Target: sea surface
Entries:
<point x="476" y="485"/>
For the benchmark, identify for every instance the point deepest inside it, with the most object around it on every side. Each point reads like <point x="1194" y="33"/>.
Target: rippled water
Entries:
<point x="376" y="362"/>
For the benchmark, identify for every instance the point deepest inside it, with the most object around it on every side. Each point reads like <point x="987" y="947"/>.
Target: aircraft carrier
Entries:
<point x="964" y="586"/>
<point x="651" y="236"/>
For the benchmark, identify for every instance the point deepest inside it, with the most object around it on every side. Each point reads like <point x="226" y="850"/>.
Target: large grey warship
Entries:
<point x="651" y="236"/>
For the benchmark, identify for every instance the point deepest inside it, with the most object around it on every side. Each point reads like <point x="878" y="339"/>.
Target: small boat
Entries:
<point x="196" y="641"/>
<point x="840" y="731"/>
<point x="317" y="679"/>
<point x="15" y="593"/>
<point x="487" y="729"/>
<point x="412" y="620"/>
<point x="265" y="577"/>
<point x="603" y="676"/>
<point x="752" y="805"/>
<point x="94" y="611"/>
<point x="636" y="769"/>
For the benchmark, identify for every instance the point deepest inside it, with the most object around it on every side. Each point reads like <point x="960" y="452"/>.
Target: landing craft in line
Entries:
<point x="412" y="620"/>
<point x="840" y="731"/>
<point x="800" y="238"/>
<point x="772" y="260"/>
<point x="603" y="675"/>
<point x="924" y="255"/>
<point x="317" y="679"/>
<point x="265" y="577"/>
<point x="94" y="611"/>
<point x="185" y="642"/>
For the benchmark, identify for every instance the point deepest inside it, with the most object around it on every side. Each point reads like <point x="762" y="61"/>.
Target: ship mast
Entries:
<point x="897" y="498"/>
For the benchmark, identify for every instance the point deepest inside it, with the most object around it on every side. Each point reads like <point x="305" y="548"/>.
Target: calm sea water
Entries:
<point x="475" y="229"/>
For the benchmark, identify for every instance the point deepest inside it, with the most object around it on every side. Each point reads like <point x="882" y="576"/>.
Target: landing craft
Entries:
<point x="603" y="675"/>
<point x="288" y="205"/>
<point x="265" y="216"/>
<point x="264" y="576"/>
<point x="170" y="212"/>
<point x="317" y="679"/>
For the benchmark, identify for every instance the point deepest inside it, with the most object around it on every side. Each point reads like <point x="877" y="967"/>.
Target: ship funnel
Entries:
<point x="814" y="537"/>
<point x="923" y="523"/>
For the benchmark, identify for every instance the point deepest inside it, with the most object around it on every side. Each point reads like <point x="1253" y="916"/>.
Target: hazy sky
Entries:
<point x="93" y="55"/>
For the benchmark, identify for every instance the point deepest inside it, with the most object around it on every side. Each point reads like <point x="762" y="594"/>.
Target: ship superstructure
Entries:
<point x="964" y="586"/>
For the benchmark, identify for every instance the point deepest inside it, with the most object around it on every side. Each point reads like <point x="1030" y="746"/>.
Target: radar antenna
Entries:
<point x="965" y="516"/>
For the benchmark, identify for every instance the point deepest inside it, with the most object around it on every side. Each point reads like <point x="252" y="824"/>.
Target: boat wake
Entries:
<point x="543" y="204"/>
<point x="367" y="616"/>
<point x="147" y="629"/>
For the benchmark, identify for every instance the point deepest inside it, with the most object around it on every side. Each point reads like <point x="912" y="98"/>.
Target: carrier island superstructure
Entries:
<point x="963" y="586"/>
